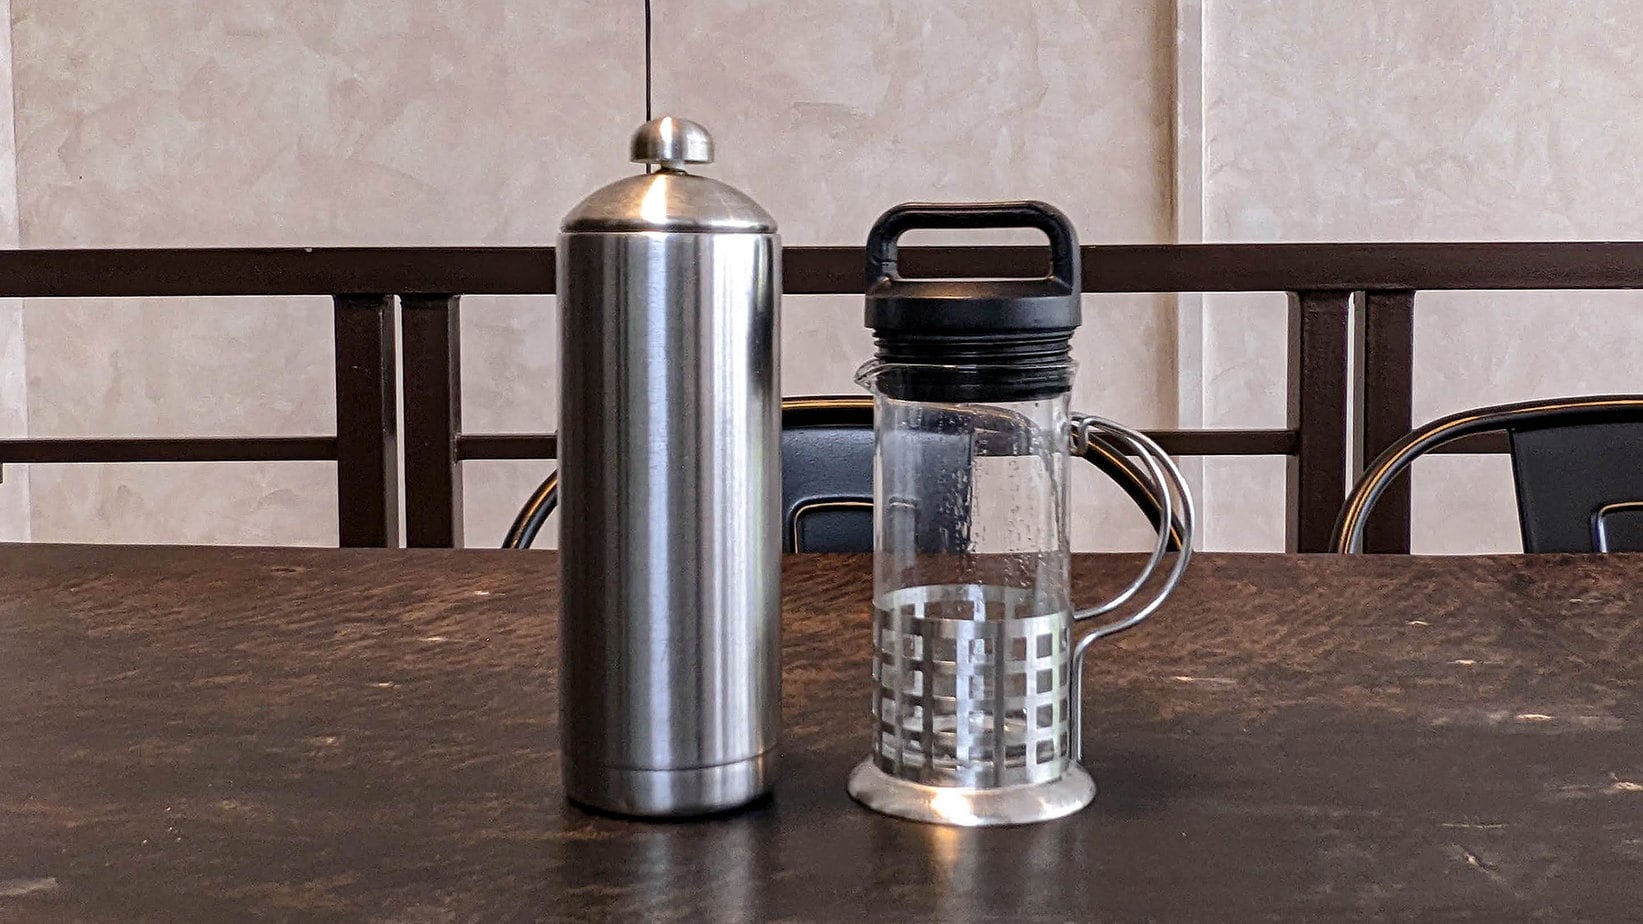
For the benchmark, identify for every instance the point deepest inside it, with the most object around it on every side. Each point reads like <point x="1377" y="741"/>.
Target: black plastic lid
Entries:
<point x="974" y="339"/>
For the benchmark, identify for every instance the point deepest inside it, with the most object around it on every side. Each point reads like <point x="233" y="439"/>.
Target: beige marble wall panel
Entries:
<point x="1244" y="382"/>
<point x="510" y="364"/>
<point x="510" y="384"/>
<point x="204" y="122"/>
<point x="217" y="122"/>
<point x="1463" y="505"/>
<point x="1244" y="497"/>
<point x="14" y="480"/>
<point x="1341" y="120"/>
<point x="182" y="367"/>
<point x="492" y="494"/>
<point x="248" y="122"/>
<point x="289" y="503"/>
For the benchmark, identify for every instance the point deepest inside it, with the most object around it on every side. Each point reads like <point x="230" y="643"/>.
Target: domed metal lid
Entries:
<point x="670" y="199"/>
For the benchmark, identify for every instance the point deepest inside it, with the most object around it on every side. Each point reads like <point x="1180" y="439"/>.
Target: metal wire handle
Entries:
<point x="1168" y="483"/>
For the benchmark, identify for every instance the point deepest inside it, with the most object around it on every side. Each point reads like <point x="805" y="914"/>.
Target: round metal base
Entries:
<point x="671" y="793"/>
<point x="971" y="808"/>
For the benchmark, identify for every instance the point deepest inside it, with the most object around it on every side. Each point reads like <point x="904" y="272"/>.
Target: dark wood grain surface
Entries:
<point x="193" y="734"/>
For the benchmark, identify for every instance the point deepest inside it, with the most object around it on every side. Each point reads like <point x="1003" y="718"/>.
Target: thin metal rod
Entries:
<point x="648" y="115"/>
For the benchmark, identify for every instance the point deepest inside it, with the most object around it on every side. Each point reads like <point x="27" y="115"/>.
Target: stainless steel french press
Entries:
<point x="670" y="543"/>
<point x="976" y="669"/>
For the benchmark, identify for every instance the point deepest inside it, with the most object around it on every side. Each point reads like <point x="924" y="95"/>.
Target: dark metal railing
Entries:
<point x="365" y="447"/>
<point x="1322" y="279"/>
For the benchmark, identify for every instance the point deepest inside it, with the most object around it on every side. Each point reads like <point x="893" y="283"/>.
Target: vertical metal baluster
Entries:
<point x="1317" y="411"/>
<point x="430" y="328"/>
<point x="367" y="421"/>
<point x="1383" y="403"/>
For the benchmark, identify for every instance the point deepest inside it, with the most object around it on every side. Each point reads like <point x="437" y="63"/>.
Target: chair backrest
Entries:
<point x="1577" y="465"/>
<point x="1580" y="486"/>
<point x="827" y="475"/>
<point x="827" y="480"/>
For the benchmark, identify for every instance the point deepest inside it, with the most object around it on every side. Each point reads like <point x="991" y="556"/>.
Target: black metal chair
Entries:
<point x="827" y="480"/>
<point x="1577" y="464"/>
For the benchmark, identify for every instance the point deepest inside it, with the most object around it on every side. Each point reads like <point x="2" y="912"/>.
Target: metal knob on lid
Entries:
<point x="669" y="142"/>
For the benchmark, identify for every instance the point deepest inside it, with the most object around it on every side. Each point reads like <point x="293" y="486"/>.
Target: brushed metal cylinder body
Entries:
<point x="670" y="479"/>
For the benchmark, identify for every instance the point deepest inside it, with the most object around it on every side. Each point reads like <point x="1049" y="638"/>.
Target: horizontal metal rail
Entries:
<point x="164" y="449"/>
<point x="829" y="270"/>
<point x="476" y="446"/>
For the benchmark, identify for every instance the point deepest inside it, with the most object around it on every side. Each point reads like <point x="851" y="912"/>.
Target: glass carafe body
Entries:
<point x="972" y="605"/>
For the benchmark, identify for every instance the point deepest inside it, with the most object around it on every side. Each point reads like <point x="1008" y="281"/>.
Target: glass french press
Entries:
<point x="977" y="673"/>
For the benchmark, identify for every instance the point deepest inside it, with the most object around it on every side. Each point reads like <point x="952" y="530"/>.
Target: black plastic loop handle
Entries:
<point x="881" y="241"/>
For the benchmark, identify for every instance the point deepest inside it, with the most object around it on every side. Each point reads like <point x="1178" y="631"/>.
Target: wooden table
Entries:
<point x="194" y="734"/>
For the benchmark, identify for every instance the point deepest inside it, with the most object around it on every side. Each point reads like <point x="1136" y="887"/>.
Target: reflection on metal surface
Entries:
<point x="972" y="807"/>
